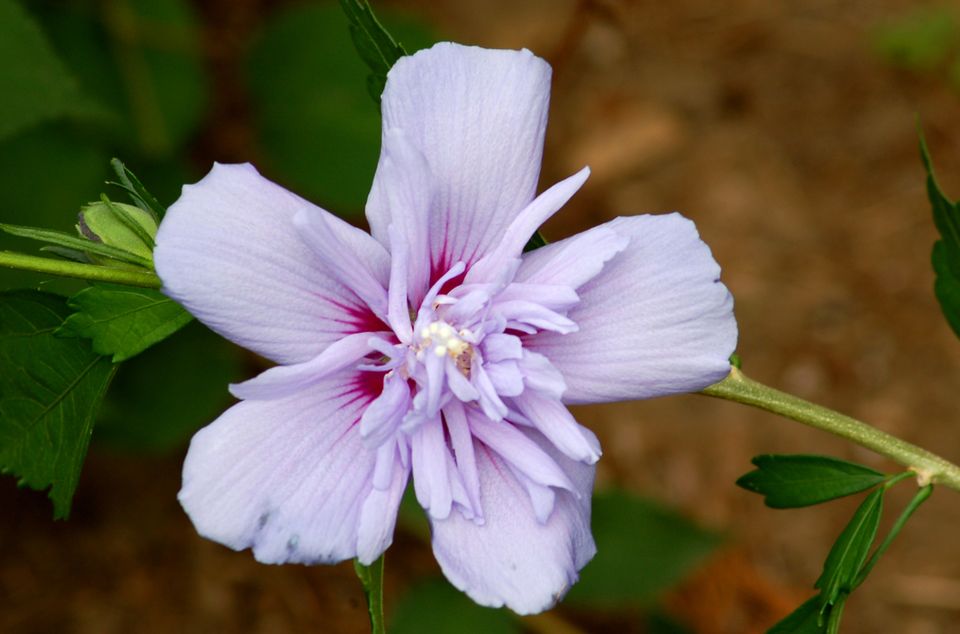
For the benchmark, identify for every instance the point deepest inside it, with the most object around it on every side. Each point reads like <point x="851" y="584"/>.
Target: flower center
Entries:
<point x="440" y="339"/>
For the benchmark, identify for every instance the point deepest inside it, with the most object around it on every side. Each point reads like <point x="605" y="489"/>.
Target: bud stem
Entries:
<point x="22" y="261"/>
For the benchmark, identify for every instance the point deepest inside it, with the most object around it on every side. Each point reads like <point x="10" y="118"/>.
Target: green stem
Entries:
<point x="371" y="577"/>
<point x="914" y="504"/>
<point x="64" y="268"/>
<point x="929" y="467"/>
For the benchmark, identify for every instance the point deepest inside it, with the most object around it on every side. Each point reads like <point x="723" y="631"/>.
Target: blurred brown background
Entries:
<point x="790" y="139"/>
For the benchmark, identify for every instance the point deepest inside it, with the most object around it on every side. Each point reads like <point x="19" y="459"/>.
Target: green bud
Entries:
<point x="118" y="225"/>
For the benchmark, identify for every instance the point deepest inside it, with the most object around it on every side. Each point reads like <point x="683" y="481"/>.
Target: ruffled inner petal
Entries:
<point x="553" y="420"/>
<point x="285" y="380"/>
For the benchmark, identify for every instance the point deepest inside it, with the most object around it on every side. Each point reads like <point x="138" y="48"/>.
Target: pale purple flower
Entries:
<point x="435" y="347"/>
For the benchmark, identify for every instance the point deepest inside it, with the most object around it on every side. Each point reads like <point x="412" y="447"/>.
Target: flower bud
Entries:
<point x="118" y="225"/>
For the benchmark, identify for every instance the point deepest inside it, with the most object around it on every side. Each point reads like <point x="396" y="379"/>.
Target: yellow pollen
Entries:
<point x="440" y="351"/>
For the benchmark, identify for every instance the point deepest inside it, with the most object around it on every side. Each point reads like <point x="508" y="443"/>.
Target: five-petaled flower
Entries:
<point x="434" y="347"/>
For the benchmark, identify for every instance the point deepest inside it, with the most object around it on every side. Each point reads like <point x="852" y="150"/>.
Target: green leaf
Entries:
<point x="145" y="410"/>
<point x="65" y="240"/>
<point x="317" y="128"/>
<point x="375" y="45"/>
<point x="642" y="550"/>
<point x="50" y="389"/>
<point x="801" y="480"/>
<point x="123" y="321"/>
<point x="849" y="552"/>
<point x="919" y="498"/>
<point x="438" y="608"/>
<point x="946" y="251"/>
<point x="34" y="83"/>
<point x="804" y="620"/>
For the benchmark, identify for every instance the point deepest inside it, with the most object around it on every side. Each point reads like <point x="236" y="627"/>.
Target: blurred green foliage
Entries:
<point x="317" y="127"/>
<point x="38" y="90"/>
<point x="437" y="607"/>
<point x="643" y="549"/>
<point x="159" y="398"/>
<point x="924" y="40"/>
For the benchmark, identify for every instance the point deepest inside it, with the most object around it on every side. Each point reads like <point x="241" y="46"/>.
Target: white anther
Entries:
<point x="433" y="328"/>
<point x="457" y="346"/>
<point x="440" y="351"/>
<point x="425" y="334"/>
<point x="445" y="331"/>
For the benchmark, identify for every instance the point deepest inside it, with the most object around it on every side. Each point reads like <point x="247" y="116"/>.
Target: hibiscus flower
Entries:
<point x="433" y="346"/>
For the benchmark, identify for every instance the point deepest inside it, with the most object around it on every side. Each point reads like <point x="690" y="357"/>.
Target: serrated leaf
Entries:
<point x="804" y="620"/>
<point x="34" y="83"/>
<point x="376" y="46"/>
<point x="67" y="241"/>
<point x="436" y="607"/>
<point x="50" y="389"/>
<point x="946" y="251"/>
<point x="849" y="552"/>
<point x="802" y="480"/>
<point x="123" y="321"/>
<point x="642" y="550"/>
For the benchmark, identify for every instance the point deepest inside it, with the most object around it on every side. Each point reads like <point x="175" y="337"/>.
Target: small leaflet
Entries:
<point x="791" y="481"/>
